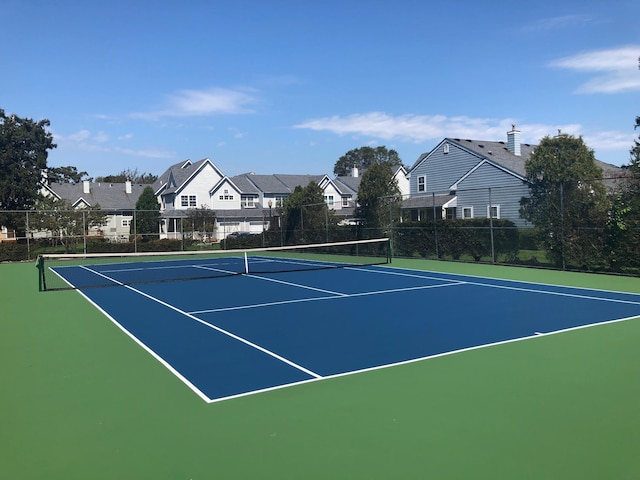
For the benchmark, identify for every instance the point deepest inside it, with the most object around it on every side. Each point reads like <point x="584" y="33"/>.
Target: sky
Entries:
<point x="289" y="86"/>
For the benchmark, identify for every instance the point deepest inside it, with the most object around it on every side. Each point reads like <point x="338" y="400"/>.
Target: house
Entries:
<point x="473" y="179"/>
<point x="243" y="203"/>
<point x="117" y="200"/>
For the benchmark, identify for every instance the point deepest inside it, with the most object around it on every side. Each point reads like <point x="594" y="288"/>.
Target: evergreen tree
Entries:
<point x="568" y="202"/>
<point x="379" y="199"/>
<point x="147" y="215"/>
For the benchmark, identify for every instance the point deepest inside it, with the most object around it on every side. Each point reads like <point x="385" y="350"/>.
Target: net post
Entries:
<point x="246" y="263"/>
<point x="42" y="286"/>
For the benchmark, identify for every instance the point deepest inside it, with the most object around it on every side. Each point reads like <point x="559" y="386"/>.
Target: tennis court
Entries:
<point x="82" y="399"/>
<point x="296" y="321"/>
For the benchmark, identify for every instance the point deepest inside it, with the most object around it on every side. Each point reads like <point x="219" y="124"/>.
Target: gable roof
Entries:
<point x="282" y="184"/>
<point x="177" y="175"/>
<point x="499" y="154"/>
<point x="110" y="196"/>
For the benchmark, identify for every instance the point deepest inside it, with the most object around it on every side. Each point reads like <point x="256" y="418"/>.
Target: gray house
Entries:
<point x="117" y="200"/>
<point x="473" y="179"/>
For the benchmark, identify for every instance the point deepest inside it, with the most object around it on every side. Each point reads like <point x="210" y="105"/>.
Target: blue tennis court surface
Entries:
<point x="226" y="337"/>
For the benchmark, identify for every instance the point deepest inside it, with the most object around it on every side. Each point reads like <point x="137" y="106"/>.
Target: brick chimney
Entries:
<point x="513" y="141"/>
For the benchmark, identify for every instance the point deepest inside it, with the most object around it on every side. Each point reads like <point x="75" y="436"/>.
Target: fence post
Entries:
<point x="435" y="224"/>
<point x="493" y="254"/>
<point x="562" y="225"/>
<point x="84" y="232"/>
<point x="26" y="223"/>
<point x="135" y="233"/>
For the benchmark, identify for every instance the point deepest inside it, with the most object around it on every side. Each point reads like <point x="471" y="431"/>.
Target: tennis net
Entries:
<point x="77" y="271"/>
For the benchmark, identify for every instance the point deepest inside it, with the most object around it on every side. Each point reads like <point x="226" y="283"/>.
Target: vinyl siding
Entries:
<point x="442" y="170"/>
<point x="506" y="191"/>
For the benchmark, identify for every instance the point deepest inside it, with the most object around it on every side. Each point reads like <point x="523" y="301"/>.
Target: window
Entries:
<point x="328" y="199"/>
<point x="422" y="183"/>
<point x="126" y="222"/>
<point x="493" y="211"/>
<point x="467" y="212"/>
<point x="345" y="201"/>
<point x="445" y="148"/>
<point x="226" y="195"/>
<point x="248" y="201"/>
<point x="188" y="201"/>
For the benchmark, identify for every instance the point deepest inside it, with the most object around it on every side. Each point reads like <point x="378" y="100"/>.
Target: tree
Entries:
<point x="379" y="198"/>
<point x="67" y="225"/>
<point x="132" y="176"/>
<point x="623" y="235"/>
<point x="23" y="159"/>
<point x="567" y="202"/>
<point x="363" y="157"/>
<point x="67" y="174"/>
<point x="201" y="222"/>
<point x="306" y="215"/>
<point x="147" y="214"/>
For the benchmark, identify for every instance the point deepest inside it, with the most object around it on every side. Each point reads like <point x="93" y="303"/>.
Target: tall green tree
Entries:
<point x="24" y="146"/>
<point x="363" y="158"/>
<point x="567" y="202"/>
<point x="379" y="199"/>
<point x="306" y="215"/>
<point x="67" y="174"/>
<point x="623" y="239"/>
<point x="147" y="215"/>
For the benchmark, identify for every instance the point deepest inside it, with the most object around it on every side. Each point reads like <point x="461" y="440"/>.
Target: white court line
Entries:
<point x="333" y="297"/>
<point x="221" y="330"/>
<point x="428" y="357"/>
<point x="522" y="289"/>
<point x="299" y="285"/>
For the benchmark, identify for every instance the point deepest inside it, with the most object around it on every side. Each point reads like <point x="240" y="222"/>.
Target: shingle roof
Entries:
<point x="426" y="201"/>
<point x="273" y="184"/>
<point x="351" y="183"/>
<point x="110" y="196"/>
<point x="180" y="172"/>
<point x="498" y="153"/>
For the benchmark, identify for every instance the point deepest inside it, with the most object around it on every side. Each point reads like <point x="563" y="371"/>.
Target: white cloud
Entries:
<point x="212" y="101"/>
<point x="86" y="141"/>
<point x="412" y="128"/>
<point x="616" y="69"/>
<point x="421" y="128"/>
<point x="559" y="22"/>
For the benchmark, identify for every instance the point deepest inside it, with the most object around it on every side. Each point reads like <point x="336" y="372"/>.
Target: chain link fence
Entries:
<point x="472" y="224"/>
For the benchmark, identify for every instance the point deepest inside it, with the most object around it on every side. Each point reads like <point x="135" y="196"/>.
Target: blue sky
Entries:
<point x="277" y="86"/>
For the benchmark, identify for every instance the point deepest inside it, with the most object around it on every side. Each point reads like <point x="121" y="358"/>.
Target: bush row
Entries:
<point x="457" y="238"/>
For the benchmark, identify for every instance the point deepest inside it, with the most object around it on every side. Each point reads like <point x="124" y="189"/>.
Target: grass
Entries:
<point x="81" y="400"/>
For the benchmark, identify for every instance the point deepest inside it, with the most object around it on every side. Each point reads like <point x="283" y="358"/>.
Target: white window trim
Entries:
<point x="188" y="201"/>
<point x="497" y="207"/>
<point x="423" y="184"/>
<point x="467" y="208"/>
